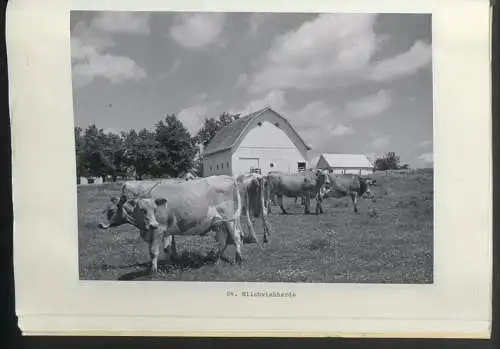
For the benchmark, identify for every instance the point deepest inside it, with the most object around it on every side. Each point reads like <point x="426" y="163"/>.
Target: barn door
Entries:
<point x="246" y="164"/>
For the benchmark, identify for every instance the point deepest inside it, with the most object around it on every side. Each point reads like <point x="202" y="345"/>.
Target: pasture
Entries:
<point x="389" y="241"/>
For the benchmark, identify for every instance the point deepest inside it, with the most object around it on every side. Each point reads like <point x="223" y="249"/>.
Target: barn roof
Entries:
<point x="347" y="160"/>
<point x="227" y="137"/>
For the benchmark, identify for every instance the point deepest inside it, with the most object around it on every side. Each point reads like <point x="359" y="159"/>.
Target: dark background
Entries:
<point x="10" y="336"/>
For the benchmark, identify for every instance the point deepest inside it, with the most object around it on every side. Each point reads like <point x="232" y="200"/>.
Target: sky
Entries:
<point x="348" y="83"/>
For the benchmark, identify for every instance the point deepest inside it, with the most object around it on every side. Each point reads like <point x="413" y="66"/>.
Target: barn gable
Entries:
<point x="231" y="136"/>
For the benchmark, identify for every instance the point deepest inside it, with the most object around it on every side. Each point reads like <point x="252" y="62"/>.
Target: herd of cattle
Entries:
<point x="161" y="209"/>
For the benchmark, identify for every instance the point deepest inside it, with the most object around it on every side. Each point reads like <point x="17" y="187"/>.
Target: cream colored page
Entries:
<point x="44" y="193"/>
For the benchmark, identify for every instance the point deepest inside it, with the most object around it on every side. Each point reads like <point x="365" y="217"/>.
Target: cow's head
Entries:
<point x="322" y="177"/>
<point x="367" y="185"/>
<point x="139" y="212"/>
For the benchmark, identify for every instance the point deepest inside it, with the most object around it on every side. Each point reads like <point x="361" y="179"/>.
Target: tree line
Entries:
<point x="168" y="150"/>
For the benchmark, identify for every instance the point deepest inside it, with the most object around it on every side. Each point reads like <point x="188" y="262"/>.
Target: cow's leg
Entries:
<point x="222" y="238"/>
<point x="233" y="231"/>
<point x="319" y="201"/>
<point x="307" y="205"/>
<point x="154" y="250"/>
<point x="280" y="203"/>
<point x="354" y="198"/>
<point x="249" y="221"/>
<point x="263" y="213"/>
<point x="167" y="245"/>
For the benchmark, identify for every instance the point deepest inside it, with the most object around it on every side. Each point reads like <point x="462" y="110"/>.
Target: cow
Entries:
<point x="306" y="185"/>
<point x="253" y="193"/>
<point x="182" y="208"/>
<point x="351" y="185"/>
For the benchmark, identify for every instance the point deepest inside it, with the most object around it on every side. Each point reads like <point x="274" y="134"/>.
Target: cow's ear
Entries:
<point x="123" y="198"/>
<point x="160" y="201"/>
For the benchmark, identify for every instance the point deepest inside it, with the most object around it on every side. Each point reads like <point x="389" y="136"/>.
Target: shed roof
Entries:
<point x="347" y="160"/>
<point x="227" y="137"/>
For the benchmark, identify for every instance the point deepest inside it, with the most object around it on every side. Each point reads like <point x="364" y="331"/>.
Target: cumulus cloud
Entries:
<point x="193" y="117"/>
<point x="274" y="99"/>
<point x="425" y="144"/>
<point x="333" y="50"/>
<point x="370" y="105"/>
<point x="123" y="22"/>
<point x="380" y="142"/>
<point x="90" y="45"/>
<point x="427" y="158"/>
<point x="256" y="20"/>
<point x="242" y="80"/>
<point x="406" y="63"/>
<point x="341" y="130"/>
<point x="197" y="30"/>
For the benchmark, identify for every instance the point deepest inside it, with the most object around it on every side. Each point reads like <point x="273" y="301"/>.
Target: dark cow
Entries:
<point x="351" y="185"/>
<point x="306" y="184"/>
<point x="252" y="188"/>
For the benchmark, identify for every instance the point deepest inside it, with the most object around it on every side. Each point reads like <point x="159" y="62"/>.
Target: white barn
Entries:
<point x="345" y="163"/>
<point x="261" y="140"/>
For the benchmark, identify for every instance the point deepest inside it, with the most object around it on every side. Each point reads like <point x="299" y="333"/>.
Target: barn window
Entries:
<point x="210" y="168"/>
<point x="217" y="166"/>
<point x="271" y="165"/>
<point x="222" y="165"/>
<point x="227" y="163"/>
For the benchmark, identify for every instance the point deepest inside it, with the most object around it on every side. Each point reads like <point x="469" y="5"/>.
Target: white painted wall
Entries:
<point x="268" y="147"/>
<point x="217" y="164"/>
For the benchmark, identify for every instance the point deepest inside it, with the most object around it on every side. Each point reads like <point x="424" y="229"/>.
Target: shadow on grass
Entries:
<point x="187" y="260"/>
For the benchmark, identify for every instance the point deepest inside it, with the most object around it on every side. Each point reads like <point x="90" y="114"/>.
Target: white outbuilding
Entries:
<point x="345" y="163"/>
<point x="263" y="141"/>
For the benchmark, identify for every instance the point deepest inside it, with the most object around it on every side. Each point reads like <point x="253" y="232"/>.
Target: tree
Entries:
<point x="177" y="149"/>
<point x="212" y="126"/>
<point x="81" y="168"/>
<point x="96" y="160"/>
<point x="388" y="162"/>
<point x="140" y="152"/>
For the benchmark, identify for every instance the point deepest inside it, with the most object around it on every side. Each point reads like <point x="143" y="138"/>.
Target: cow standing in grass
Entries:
<point x="182" y="208"/>
<point x="252" y="188"/>
<point x="352" y="185"/>
<point x="307" y="184"/>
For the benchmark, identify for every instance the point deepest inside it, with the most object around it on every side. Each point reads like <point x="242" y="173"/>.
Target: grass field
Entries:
<point x="389" y="241"/>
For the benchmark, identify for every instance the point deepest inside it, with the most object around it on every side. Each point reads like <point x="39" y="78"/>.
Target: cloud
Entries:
<point x="198" y="30"/>
<point x="337" y="45"/>
<point x="333" y="50"/>
<point x="380" y="142"/>
<point x="275" y="99"/>
<point x="123" y="22"/>
<point x="341" y="130"/>
<point x="406" y="63"/>
<point x="242" y="80"/>
<point x="256" y="20"/>
<point x="90" y="45"/>
<point x="193" y="117"/>
<point x="371" y="105"/>
<point x="427" y="157"/>
<point x="425" y="144"/>
<point x="90" y="62"/>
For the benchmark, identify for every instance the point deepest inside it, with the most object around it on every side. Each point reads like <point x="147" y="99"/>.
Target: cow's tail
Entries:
<point x="239" y="209"/>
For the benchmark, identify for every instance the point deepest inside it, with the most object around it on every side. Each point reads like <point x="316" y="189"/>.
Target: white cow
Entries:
<point x="182" y="208"/>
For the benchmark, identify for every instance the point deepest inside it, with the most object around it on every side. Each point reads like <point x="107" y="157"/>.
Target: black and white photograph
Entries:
<point x="254" y="147"/>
